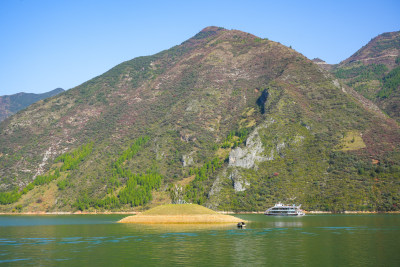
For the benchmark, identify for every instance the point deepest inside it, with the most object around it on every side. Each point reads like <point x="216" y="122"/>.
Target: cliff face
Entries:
<point x="237" y="121"/>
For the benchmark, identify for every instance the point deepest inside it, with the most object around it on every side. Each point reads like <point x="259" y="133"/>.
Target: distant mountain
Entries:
<point x="321" y="63"/>
<point x="374" y="71"/>
<point x="226" y="119"/>
<point x="383" y="49"/>
<point x="10" y="104"/>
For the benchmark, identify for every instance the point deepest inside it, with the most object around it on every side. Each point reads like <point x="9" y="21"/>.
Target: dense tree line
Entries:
<point x="72" y="159"/>
<point x="235" y="138"/>
<point x="46" y="179"/>
<point x="118" y="171"/>
<point x="138" y="188"/>
<point x="203" y="173"/>
<point x="362" y="72"/>
<point x="86" y="202"/>
<point x="391" y="83"/>
<point x="196" y="191"/>
<point x="132" y="150"/>
<point x="9" y="197"/>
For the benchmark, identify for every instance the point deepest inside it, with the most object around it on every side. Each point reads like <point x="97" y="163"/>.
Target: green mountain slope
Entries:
<point x="226" y="119"/>
<point x="10" y="104"/>
<point x="374" y="71"/>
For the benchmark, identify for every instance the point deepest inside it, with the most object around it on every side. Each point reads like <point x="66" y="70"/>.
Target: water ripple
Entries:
<point x="13" y="260"/>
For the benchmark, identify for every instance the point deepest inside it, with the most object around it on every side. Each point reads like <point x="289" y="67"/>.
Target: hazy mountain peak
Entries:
<point x="10" y="104"/>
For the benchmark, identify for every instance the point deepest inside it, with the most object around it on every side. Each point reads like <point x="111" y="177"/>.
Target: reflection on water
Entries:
<point x="162" y="228"/>
<point x="287" y="224"/>
<point x="365" y="240"/>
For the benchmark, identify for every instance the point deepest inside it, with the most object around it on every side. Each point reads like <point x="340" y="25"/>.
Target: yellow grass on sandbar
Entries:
<point x="180" y="214"/>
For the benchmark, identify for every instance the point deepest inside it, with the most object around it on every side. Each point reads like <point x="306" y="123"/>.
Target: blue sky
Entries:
<point x="50" y="44"/>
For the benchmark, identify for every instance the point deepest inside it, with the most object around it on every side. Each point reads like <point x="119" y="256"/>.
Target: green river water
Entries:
<point x="97" y="240"/>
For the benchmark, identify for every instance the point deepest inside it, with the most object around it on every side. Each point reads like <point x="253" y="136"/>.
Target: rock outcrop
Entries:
<point x="253" y="152"/>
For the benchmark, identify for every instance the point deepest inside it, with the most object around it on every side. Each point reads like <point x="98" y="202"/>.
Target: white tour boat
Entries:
<point x="285" y="210"/>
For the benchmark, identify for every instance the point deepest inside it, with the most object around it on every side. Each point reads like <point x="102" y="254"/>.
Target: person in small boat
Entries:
<point x="241" y="225"/>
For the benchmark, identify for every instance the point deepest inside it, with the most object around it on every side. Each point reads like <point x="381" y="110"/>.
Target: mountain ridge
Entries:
<point x="10" y="104"/>
<point x="374" y="72"/>
<point x="382" y="49"/>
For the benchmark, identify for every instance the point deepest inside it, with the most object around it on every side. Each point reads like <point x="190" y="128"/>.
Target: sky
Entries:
<point x="49" y="44"/>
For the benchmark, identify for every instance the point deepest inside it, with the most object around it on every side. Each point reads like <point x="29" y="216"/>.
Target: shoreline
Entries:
<point x="71" y="213"/>
<point x="318" y="212"/>
<point x="220" y="212"/>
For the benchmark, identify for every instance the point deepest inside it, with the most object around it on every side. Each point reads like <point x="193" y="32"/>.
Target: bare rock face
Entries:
<point x="187" y="160"/>
<point x="252" y="153"/>
<point x="213" y="195"/>
<point x="217" y="185"/>
<point x="244" y="158"/>
<point x="239" y="183"/>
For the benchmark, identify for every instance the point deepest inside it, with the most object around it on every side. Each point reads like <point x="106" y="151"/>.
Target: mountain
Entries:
<point x="383" y="49"/>
<point x="374" y="71"/>
<point x="225" y="119"/>
<point x="10" y="104"/>
<point x="322" y="64"/>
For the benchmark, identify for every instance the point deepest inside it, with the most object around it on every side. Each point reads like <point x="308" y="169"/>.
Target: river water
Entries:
<point x="97" y="240"/>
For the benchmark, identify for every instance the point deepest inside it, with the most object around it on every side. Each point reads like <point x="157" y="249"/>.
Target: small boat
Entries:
<point x="285" y="210"/>
<point x="241" y="225"/>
